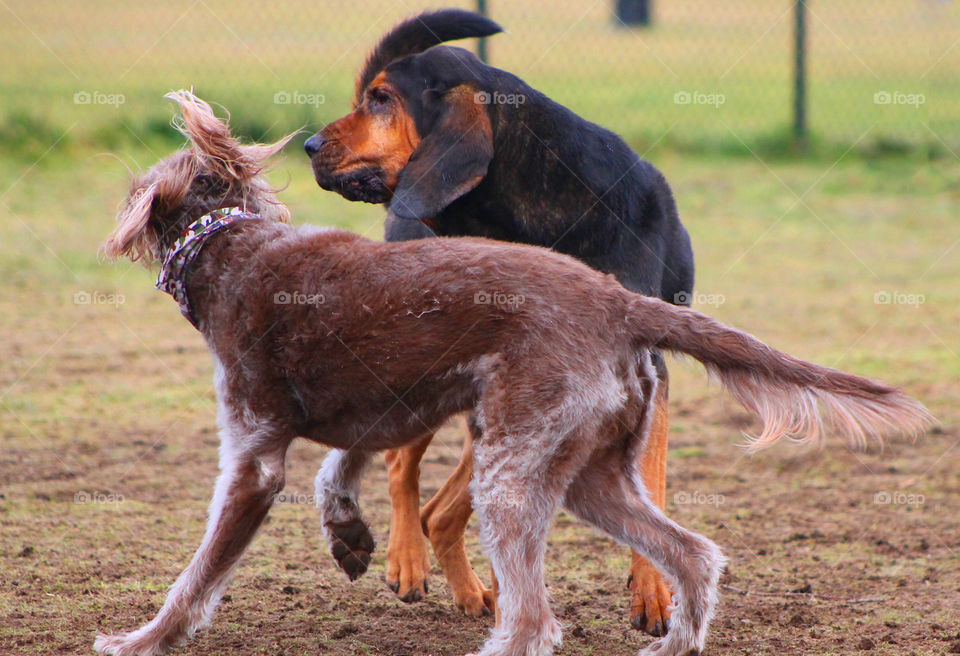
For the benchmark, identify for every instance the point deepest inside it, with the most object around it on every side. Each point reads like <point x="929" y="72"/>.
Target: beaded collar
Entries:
<point x="187" y="247"/>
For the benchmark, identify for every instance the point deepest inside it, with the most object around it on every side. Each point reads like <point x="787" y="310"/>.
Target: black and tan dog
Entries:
<point x="455" y="147"/>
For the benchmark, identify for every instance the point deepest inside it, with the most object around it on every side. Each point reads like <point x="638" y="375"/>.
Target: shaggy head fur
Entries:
<point x="215" y="171"/>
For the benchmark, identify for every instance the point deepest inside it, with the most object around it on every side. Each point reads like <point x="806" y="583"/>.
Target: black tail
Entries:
<point x="420" y="32"/>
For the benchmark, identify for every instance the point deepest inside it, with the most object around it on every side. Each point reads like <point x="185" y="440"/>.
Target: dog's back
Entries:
<point x="560" y="181"/>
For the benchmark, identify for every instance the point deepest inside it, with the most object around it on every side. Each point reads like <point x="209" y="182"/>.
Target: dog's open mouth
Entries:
<point x="364" y="184"/>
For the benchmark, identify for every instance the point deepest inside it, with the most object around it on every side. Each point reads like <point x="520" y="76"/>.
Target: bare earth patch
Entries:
<point x="109" y="442"/>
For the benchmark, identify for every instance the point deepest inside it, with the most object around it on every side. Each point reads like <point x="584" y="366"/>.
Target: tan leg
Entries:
<point x="650" y="596"/>
<point x="444" y="520"/>
<point x="408" y="560"/>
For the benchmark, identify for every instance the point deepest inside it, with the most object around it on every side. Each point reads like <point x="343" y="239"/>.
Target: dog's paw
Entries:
<point x="481" y="603"/>
<point x="126" y="644"/>
<point x="503" y="641"/>
<point x="474" y="599"/>
<point x="650" y="601"/>
<point x="351" y="544"/>
<point x="667" y="647"/>
<point x="408" y="563"/>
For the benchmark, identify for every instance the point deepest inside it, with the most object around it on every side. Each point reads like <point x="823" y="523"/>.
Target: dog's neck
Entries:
<point x="178" y="257"/>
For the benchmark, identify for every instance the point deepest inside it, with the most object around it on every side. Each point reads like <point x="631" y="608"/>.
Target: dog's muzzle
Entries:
<point x="364" y="184"/>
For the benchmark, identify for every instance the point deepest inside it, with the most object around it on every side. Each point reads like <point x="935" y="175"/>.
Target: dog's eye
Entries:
<point x="378" y="97"/>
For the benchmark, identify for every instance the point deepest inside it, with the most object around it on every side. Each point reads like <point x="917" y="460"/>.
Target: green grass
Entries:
<point x="242" y="55"/>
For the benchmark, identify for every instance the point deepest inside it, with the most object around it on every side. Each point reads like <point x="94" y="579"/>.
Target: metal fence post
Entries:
<point x="482" y="42"/>
<point x="800" y="71"/>
<point x="633" y="12"/>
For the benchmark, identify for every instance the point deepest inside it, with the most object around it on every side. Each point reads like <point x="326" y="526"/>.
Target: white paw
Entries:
<point x="126" y="644"/>
<point x="653" y="648"/>
<point x="667" y="647"/>
<point x="554" y="635"/>
<point x="115" y="645"/>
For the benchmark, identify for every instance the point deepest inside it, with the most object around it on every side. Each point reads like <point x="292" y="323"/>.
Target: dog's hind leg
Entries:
<point x="520" y="474"/>
<point x="650" y="598"/>
<point x="608" y="493"/>
<point x="251" y="475"/>
<point x="408" y="561"/>
<point x="337" y="487"/>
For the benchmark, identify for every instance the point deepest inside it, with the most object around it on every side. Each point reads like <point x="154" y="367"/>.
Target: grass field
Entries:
<point x="106" y="401"/>
<point x="119" y="56"/>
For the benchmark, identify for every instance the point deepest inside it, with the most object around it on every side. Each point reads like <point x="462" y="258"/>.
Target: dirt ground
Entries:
<point x="820" y="561"/>
<point x="109" y="442"/>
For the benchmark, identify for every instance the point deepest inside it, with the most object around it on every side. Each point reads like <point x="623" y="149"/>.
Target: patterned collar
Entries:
<point x="187" y="247"/>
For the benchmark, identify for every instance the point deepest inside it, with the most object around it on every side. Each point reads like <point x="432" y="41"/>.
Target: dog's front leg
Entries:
<point x="515" y="505"/>
<point x="337" y="487"/>
<point x="408" y="561"/>
<point x="445" y="520"/>
<point x="251" y="475"/>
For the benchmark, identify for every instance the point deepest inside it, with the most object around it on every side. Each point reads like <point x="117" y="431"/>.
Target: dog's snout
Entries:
<point x="314" y="144"/>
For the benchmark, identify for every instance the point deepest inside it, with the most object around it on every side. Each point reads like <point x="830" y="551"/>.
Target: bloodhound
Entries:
<point x="454" y="147"/>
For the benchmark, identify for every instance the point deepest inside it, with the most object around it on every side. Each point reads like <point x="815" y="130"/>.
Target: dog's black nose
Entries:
<point x="314" y="144"/>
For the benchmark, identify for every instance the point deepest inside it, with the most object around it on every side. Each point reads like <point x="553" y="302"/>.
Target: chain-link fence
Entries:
<point x="702" y="74"/>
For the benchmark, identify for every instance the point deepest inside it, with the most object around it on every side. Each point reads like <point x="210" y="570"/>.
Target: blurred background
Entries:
<point x="816" y="170"/>
<point x="881" y="74"/>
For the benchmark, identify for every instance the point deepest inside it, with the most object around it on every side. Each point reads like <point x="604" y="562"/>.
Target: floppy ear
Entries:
<point x="132" y="236"/>
<point x="451" y="159"/>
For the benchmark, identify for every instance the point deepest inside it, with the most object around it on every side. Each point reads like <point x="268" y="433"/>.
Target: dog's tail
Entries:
<point x="418" y="33"/>
<point x="792" y="397"/>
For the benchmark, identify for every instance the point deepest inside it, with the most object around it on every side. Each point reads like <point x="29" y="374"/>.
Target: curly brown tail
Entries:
<point x="791" y="396"/>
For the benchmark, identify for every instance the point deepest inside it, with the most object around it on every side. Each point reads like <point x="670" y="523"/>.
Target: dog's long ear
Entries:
<point x="418" y="33"/>
<point x="451" y="159"/>
<point x="132" y="237"/>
